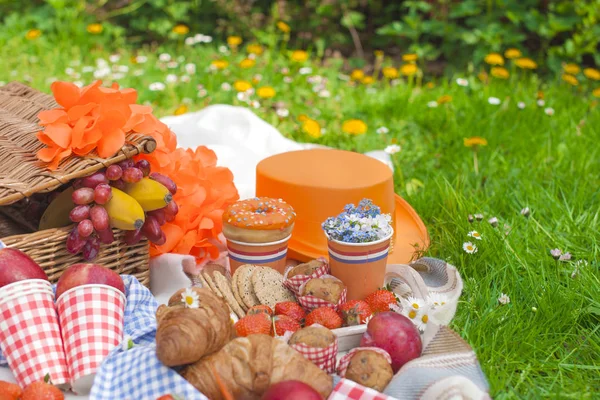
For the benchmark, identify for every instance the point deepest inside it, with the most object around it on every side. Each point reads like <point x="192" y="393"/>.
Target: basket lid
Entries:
<point x="21" y="173"/>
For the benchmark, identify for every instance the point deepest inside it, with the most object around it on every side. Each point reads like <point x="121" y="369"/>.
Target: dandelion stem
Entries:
<point x="475" y="163"/>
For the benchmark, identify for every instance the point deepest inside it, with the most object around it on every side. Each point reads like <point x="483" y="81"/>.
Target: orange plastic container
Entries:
<point x="318" y="183"/>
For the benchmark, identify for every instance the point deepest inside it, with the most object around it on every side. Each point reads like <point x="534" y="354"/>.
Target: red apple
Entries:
<point x="85" y="274"/>
<point x="17" y="266"/>
<point x="395" y="334"/>
<point x="291" y="390"/>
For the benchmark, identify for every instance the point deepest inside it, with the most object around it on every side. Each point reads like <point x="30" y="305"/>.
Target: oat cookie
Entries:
<point x="225" y="288"/>
<point x="244" y="285"/>
<point x="236" y="293"/>
<point x="268" y="286"/>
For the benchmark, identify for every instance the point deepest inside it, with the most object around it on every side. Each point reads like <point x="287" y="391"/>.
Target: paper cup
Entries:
<point x="91" y="318"/>
<point x="361" y="266"/>
<point x="20" y="286"/>
<point x="324" y="358"/>
<point x="272" y="254"/>
<point x="30" y="334"/>
<point x="310" y="302"/>
<point x="295" y="282"/>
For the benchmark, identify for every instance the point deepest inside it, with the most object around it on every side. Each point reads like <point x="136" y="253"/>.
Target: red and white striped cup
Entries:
<point x="91" y="318"/>
<point x="272" y="254"/>
<point x="30" y="334"/>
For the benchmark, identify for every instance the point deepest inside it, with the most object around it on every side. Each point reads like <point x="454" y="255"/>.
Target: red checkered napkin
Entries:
<point x="30" y="337"/>
<point x="323" y="358"/>
<point x="91" y="319"/>
<point x="311" y="302"/>
<point x="349" y="390"/>
<point x="295" y="282"/>
<point x="345" y="360"/>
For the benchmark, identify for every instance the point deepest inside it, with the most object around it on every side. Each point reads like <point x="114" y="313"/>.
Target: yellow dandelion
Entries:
<point x="409" y="57"/>
<point x="596" y="92"/>
<point x="475" y="141"/>
<point x="354" y="127"/>
<point x="33" y="34"/>
<point x="378" y="53"/>
<point x="242" y="86"/>
<point x="526" y="63"/>
<point x="299" y="56"/>
<point x="494" y="59"/>
<point x="94" y="29"/>
<point x="539" y="95"/>
<point x="512" y="53"/>
<point x="444" y="99"/>
<point x="247" y="63"/>
<point x="234" y="41"/>
<point x="500" y="72"/>
<point x="302" y="117"/>
<point x="430" y="85"/>
<point x="219" y="64"/>
<point x="592" y="73"/>
<point x="367" y="80"/>
<point x="182" y="109"/>
<point x="255" y="49"/>
<point x="283" y="27"/>
<point x="570" y="79"/>
<point x="265" y="92"/>
<point x="312" y="128"/>
<point x="408" y="69"/>
<point x="390" y="72"/>
<point x="181" y="29"/>
<point x="572" y="69"/>
<point x="357" y="75"/>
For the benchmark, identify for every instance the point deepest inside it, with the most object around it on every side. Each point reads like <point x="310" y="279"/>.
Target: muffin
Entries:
<point x="313" y="336"/>
<point x="305" y="269"/>
<point x="258" y="220"/>
<point x="328" y="289"/>
<point x="370" y="369"/>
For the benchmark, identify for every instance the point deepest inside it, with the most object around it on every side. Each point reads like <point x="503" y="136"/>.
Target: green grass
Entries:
<point x="546" y="342"/>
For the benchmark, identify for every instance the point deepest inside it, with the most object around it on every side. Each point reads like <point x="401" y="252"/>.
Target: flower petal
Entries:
<point x="51" y="116"/>
<point x="110" y="143"/>
<point x="67" y="94"/>
<point x="48" y="153"/>
<point x="59" y="134"/>
<point x="79" y="111"/>
<point x="58" y="158"/>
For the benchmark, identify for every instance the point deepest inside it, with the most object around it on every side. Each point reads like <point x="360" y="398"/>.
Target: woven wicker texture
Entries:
<point x="21" y="173"/>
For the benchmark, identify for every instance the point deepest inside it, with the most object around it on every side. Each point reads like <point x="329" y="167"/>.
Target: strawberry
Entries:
<point x="380" y="300"/>
<point x="255" y="323"/>
<point x="291" y="309"/>
<point x="324" y="316"/>
<point x="165" y="397"/>
<point x="260" y="309"/>
<point x="283" y="324"/>
<point x="355" y="312"/>
<point x="42" y="391"/>
<point x="9" y="390"/>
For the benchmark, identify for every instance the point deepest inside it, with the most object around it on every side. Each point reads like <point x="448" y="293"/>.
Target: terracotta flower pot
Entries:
<point x="361" y="266"/>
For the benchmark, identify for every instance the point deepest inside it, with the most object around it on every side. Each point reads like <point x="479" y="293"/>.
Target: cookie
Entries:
<point x="370" y="369"/>
<point x="211" y="268"/>
<point x="268" y="287"/>
<point x="211" y="284"/>
<point x="236" y="293"/>
<point x="327" y="289"/>
<point x="244" y="285"/>
<point x="313" y="336"/>
<point x="225" y="289"/>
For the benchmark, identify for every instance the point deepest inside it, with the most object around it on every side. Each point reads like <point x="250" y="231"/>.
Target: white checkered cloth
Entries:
<point x="349" y="390"/>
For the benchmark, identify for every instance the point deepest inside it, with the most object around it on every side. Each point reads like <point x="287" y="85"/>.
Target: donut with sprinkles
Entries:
<point x="260" y="213"/>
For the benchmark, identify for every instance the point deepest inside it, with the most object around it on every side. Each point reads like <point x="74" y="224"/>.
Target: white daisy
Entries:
<point x="541" y="103"/>
<point x="282" y="112"/>
<point x="200" y="38"/>
<point x="252" y="56"/>
<point x="114" y="58"/>
<point x="69" y="71"/>
<point x="287" y="79"/>
<point x="503" y="299"/>
<point x="494" y="101"/>
<point x="493" y="221"/>
<point x="190" y="68"/>
<point x="436" y="300"/>
<point x="223" y="49"/>
<point x="118" y="75"/>
<point x="190" y="41"/>
<point x="141" y="59"/>
<point x="157" y="87"/>
<point x="324" y="93"/>
<point x="185" y="78"/>
<point x="172" y="64"/>
<point x="254" y="104"/>
<point x="190" y="298"/>
<point x="469" y="248"/>
<point x="395" y="82"/>
<point x="123" y="68"/>
<point x="392" y="149"/>
<point x="225" y="86"/>
<point x="462" y="82"/>
<point x="102" y="72"/>
<point x="257" y="77"/>
<point x="432" y="104"/>
<point x="475" y="234"/>
<point x="171" y="78"/>
<point x="164" y="57"/>
<point x="413" y="303"/>
<point x="422" y="321"/>
<point x="202" y="93"/>
<point x="186" y="100"/>
<point x="127" y="343"/>
<point x="549" y="111"/>
<point x="138" y="72"/>
<point x="87" y="69"/>
<point x="285" y="70"/>
<point x="382" y="130"/>
<point x="525" y="212"/>
<point x="305" y="70"/>
<point x="521" y="105"/>
<point x="242" y="96"/>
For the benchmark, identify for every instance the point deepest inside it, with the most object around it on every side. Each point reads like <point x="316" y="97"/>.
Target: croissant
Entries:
<point x="248" y="366"/>
<point x="185" y="335"/>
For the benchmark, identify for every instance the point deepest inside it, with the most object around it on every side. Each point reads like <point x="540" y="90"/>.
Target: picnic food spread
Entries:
<point x="254" y="328"/>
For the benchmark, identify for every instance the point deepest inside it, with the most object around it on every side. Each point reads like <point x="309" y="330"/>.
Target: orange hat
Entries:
<point x="318" y="183"/>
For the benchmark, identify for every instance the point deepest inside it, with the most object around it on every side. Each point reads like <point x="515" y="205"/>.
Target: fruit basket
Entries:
<point x="23" y="177"/>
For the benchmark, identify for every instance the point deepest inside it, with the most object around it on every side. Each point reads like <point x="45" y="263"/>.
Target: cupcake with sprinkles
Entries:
<point x="257" y="231"/>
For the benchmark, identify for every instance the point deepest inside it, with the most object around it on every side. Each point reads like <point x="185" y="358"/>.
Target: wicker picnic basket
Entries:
<point x="22" y="176"/>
